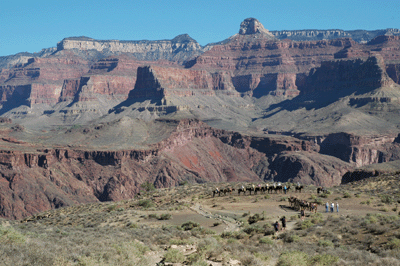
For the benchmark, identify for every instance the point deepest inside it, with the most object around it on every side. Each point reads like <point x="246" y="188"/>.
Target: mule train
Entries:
<point x="299" y="204"/>
<point x="260" y="188"/>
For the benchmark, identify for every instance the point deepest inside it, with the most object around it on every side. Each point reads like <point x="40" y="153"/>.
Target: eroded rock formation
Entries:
<point x="334" y="98"/>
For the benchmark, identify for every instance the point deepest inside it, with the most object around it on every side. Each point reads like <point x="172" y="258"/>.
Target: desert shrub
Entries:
<point x="323" y="259"/>
<point x="325" y="243"/>
<point x="208" y="245"/>
<point x="369" y="219"/>
<point x="293" y="258"/>
<point x="290" y="238"/>
<point x="132" y="225"/>
<point x="145" y="203"/>
<point x="313" y="197"/>
<point x="165" y="216"/>
<point x="316" y="218"/>
<point x="8" y="235"/>
<point x="393" y="244"/>
<point x="349" y="229"/>
<point x="346" y="195"/>
<point x="189" y="225"/>
<point x="253" y="219"/>
<point x="377" y="229"/>
<point x="305" y="224"/>
<point x="153" y="216"/>
<point x="253" y="229"/>
<point x="266" y="240"/>
<point x="387" y="199"/>
<point x="147" y="186"/>
<point x="318" y="201"/>
<point x="200" y="230"/>
<point x="199" y="263"/>
<point x="251" y="260"/>
<point x="112" y="207"/>
<point x="216" y="223"/>
<point x="174" y="256"/>
<point x="262" y="256"/>
<point x="384" y="209"/>
<point x="268" y="230"/>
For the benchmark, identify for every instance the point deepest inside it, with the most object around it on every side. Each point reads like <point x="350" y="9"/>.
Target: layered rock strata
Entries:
<point x="181" y="48"/>
<point x="54" y="177"/>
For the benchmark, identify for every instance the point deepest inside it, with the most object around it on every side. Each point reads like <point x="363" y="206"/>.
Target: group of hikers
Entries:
<point x="277" y="225"/>
<point x="332" y="207"/>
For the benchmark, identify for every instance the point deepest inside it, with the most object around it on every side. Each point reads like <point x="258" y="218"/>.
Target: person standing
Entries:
<point x="302" y="214"/>
<point x="284" y="189"/>
<point x="337" y="206"/>
<point x="327" y="207"/>
<point x="332" y="206"/>
<point x="276" y="226"/>
<point x="283" y="220"/>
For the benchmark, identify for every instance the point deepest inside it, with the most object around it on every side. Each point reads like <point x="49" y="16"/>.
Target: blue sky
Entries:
<point x="29" y="26"/>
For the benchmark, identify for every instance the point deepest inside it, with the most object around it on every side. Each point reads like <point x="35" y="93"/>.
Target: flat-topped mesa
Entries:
<point x="252" y="26"/>
<point x="180" y="48"/>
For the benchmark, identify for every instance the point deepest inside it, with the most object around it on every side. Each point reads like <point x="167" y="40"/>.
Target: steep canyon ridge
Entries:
<point x="91" y="120"/>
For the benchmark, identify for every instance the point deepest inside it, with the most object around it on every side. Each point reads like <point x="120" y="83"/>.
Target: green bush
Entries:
<point x="253" y="229"/>
<point x="293" y="258"/>
<point x="393" y="244"/>
<point x="290" y="238"/>
<point x="325" y="243"/>
<point x="147" y="186"/>
<point x="266" y="240"/>
<point x="346" y="195"/>
<point x="165" y="216"/>
<point x="306" y="224"/>
<point x="8" y="235"/>
<point x="387" y="199"/>
<point x="316" y="218"/>
<point x="145" y="203"/>
<point x="189" y="225"/>
<point x="255" y="218"/>
<point x="174" y="256"/>
<point x="323" y="260"/>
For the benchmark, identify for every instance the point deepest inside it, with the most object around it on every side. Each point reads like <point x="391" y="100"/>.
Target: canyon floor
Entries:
<point x="186" y="225"/>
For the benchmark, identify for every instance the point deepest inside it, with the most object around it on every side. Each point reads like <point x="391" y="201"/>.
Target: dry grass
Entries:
<point x="160" y="227"/>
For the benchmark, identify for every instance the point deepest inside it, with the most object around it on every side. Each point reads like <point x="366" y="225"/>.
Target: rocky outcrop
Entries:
<point x="360" y="150"/>
<point x="22" y="58"/>
<point x="181" y="48"/>
<point x="252" y="26"/>
<point x="353" y="75"/>
<point x="361" y="36"/>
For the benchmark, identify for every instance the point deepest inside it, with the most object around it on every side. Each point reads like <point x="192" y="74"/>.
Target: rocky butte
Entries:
<point x="92" y="120"/>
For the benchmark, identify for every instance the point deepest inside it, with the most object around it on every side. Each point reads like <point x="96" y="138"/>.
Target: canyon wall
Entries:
<point x="48" y="178"/>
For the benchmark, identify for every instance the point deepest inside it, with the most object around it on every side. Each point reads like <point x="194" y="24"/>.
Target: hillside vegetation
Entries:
<point x="186" y="225"/>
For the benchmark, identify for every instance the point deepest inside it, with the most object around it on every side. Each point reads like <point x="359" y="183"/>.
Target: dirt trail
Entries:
<point x="231" y="224"/>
